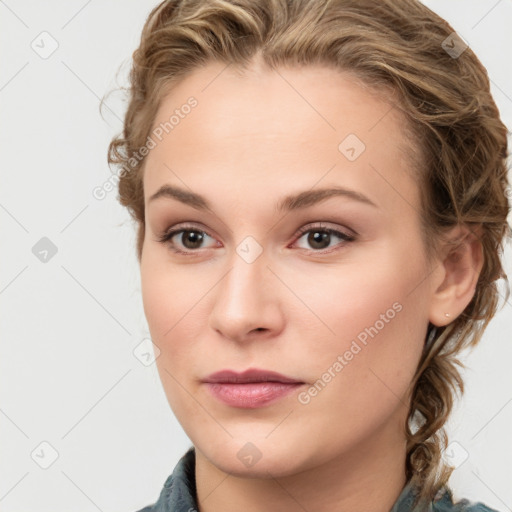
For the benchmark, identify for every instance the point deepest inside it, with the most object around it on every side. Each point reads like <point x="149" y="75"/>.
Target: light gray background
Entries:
<point x="68" y="375"/>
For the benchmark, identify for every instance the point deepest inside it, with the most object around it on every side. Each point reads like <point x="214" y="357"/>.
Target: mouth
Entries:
<point x="249" y="376"/>
<point x="250" y="389"/>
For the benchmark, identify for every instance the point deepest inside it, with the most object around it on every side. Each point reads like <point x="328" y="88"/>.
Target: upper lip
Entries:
<point x="250" y="375"/>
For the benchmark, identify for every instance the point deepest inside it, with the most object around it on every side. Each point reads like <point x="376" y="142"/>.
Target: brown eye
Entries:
<point x="191" y="239"/>
<point x="321" y="238"/>
<point x="183" y="240"/>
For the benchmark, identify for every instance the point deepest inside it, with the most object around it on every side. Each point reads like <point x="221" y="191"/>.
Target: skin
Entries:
<point x="253" y="139"/>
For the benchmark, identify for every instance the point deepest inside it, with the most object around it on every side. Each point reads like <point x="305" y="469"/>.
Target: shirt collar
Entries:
<point x="179" y="492"/>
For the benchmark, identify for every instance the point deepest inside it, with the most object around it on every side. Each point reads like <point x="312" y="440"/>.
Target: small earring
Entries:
<point x="447" y="315"/>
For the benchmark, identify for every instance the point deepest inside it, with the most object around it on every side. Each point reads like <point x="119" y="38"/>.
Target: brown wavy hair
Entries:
<point x="398" y="48"/>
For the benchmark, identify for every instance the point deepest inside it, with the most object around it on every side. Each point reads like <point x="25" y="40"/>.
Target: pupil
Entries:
<point x="317" y="239"/>
<point x="192" y="239"/>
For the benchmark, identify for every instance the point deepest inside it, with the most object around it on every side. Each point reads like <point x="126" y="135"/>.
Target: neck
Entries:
<point x="370" y="477"/>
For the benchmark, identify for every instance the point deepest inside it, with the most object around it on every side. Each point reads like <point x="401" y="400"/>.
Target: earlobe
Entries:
<point x="461" y="261"/>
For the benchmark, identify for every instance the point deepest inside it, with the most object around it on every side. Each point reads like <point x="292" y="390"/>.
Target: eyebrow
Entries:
<point x="289" y="203"/>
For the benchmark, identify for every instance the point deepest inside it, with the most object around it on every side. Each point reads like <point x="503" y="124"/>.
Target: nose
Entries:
<point x="246" y="304"/>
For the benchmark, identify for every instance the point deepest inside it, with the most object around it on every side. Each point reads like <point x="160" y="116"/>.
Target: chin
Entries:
<point x="257" y="459"/>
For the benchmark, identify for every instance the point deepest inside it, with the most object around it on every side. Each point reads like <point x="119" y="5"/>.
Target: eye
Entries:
<point x="320" y="237"/>
<point x="190" y="239"/>
<point x="185" y="239"/>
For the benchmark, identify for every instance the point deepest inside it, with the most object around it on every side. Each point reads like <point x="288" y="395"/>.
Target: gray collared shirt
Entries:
<point x="179" y="494"/>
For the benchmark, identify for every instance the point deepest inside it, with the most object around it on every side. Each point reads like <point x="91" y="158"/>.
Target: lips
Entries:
<point x="250" y="389"/>
<point x="250" y="375"/>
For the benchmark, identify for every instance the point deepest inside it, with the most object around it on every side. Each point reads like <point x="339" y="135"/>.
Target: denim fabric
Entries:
<point x="179" y="494"/>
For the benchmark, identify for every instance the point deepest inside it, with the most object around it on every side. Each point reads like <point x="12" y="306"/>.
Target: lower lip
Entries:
<point x="250" y="395"/>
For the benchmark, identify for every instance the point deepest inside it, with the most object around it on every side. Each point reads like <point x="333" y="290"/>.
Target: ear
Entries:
<point x="459" y="264"/>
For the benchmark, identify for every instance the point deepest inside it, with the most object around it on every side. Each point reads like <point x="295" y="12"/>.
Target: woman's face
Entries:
<point x="262" y="284"/>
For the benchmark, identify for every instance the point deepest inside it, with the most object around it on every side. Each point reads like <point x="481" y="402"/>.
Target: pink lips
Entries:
<point x="250" y="389"/>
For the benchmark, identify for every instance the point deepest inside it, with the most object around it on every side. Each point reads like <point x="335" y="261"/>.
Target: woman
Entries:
<point x="320" y="193"/>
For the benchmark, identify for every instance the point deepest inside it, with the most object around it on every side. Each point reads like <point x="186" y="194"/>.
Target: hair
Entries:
<point x="460" y="143"/>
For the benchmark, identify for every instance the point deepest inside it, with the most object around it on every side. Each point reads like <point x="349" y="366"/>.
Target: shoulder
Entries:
<point x="179" y="491"/>
<point x="446" y="503"/>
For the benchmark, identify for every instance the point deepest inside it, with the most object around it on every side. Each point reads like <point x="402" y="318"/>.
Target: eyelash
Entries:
<point x="167" y="236"/>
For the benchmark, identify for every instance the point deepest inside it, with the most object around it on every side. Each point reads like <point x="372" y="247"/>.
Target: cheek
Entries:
<point x="360" y="377"/>
<point x="373" y="316"/>
<point x="168" y="292"/>
<point x="353" y="296"/>
<point x="172" y="307"/>
<point x="172" y="304"/>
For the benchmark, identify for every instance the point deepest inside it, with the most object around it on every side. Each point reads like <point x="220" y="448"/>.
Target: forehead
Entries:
<point x="263" y="125"/>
